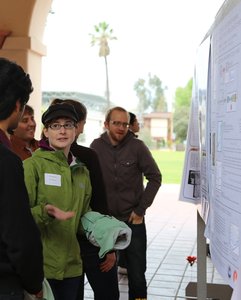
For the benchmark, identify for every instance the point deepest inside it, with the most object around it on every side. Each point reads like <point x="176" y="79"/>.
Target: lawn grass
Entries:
<point x="170" y="164"/>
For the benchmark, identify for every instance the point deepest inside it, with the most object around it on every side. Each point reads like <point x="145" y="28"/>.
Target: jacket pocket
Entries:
<point x="128" y="167"/>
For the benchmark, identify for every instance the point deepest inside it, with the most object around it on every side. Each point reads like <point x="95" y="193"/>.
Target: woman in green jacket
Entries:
<point x="59" y="191"/>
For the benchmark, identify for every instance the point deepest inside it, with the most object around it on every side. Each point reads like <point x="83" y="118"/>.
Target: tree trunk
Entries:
<point x="107" y="84"/>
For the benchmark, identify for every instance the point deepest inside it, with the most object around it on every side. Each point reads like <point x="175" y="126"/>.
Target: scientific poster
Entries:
<point x="190" y="187"/>
<point x="194" y="182"/>
<point x="225" y="156"/>
<point x="212" y="171"/>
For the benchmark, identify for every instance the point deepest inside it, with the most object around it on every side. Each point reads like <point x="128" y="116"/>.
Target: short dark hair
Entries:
<point x="28" y="110"/>
<point x="15" y="85"/>
<point x="132" y="118"/>
<point x="109" y="112"/>
<point x="79" y="107"/>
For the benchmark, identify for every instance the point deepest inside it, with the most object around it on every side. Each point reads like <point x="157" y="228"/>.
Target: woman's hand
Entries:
<point x="57" y="213"/>
<point x="39" y="295"/>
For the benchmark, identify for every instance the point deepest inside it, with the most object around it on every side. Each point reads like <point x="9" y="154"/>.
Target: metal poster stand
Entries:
<point x="201" y="290"/>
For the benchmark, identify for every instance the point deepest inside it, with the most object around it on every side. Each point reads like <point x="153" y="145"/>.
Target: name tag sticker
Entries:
<point x="52" y="179"/>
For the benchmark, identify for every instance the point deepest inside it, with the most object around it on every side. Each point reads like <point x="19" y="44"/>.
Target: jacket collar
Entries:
<point x="4" y="139"/>
<point x="43" y="144"/>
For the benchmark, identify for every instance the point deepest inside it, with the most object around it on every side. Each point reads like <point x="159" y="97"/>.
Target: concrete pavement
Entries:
<point x="171" y="235"/>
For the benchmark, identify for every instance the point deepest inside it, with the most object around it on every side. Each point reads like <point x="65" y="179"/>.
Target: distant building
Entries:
<point x="96" y="106"/>
<point x="160" y="125"/>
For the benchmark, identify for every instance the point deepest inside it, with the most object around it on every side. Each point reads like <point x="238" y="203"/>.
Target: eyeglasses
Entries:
<point x="57" y="126"/>
<point x="119" y="124"/>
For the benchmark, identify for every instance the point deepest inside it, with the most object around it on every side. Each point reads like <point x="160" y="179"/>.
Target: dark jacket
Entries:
<point x="123" y="167"/>
<point x="89" y="157"/>
<point x="21" y="261"/>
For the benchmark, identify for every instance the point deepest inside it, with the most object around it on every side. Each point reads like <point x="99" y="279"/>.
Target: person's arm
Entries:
<point x="90" y="158"/>
<point x="98" y="198"/>
<point x="39" y="211"/>
<point x="150" y="170"/>
<point x="57" y="213"/>
<point x="88" y="193"/>
<point x="19" y="233"/>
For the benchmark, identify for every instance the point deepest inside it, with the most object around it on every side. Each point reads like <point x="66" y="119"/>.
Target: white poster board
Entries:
<point x="225" y="168"/>
<point x="214" y="142"/>
<point x="195" y="157"/>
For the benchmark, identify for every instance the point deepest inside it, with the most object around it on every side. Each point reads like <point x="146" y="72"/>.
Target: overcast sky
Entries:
<point x="160" y="37"/>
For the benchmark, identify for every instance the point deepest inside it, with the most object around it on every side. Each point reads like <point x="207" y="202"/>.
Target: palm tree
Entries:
<point x="101" y="37"/>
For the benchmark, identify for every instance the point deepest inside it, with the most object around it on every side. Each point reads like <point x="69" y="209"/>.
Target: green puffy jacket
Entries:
<point x="106" y="232"/>
<point x="51" y="180"/>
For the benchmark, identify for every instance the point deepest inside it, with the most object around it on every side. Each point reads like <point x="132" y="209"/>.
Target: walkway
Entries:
<point x="171" y="232"/>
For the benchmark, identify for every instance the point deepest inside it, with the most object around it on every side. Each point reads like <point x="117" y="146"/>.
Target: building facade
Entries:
<point x="160" y="126"/>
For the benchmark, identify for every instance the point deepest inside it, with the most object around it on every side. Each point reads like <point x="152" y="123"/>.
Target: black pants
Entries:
<point x="66" y="289"/>
<point x="135" y="255"/>
<point x="103" y="284"/>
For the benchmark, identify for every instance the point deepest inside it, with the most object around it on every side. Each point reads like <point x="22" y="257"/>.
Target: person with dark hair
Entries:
<point x="22" y="138"/>
<point x="134" y="125"/>
<point x="125" y="160"/>
<point x="101" y="273"/>
<point x="21" y="260"/>
<point x="59" y="191"/>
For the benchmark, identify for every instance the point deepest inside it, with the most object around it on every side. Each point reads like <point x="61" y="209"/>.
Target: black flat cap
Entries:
<point x="59" y="110"/>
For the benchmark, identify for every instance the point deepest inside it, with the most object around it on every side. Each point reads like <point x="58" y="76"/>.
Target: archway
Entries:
<point x="21" y="31"/>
